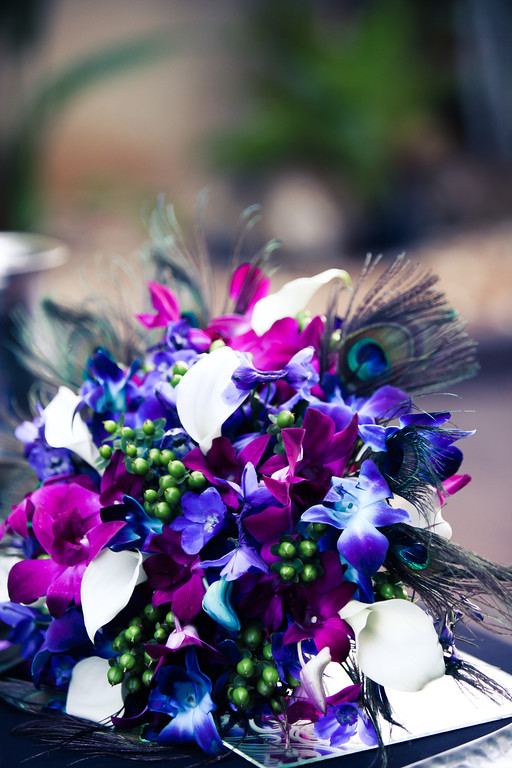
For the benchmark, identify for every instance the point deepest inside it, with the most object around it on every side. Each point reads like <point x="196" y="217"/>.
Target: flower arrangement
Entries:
<point x="246" y="520"/>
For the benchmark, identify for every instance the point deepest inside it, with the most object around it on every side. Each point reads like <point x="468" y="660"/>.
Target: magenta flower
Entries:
<point x="67" y="523"/>
<point x="165" y="304"/>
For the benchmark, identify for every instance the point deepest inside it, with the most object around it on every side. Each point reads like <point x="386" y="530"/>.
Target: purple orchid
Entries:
<point x="45" y="460"/>
<point x="357" y="506"/>
<point x="298" y="372"/>
<point x="203" y="518"/>
<point x="343" y="722"/>
<point x="67" y="523"/>
<point x="28" y="627"/>
<point x="386" y="402"/>
<point x="166" y="307"/>
<point x="184" y="695"/>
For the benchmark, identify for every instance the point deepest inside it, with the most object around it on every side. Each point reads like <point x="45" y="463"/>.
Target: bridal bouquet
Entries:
<point x="245" y="522"/>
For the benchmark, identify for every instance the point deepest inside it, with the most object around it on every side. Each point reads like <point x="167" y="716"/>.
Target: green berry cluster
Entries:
<point x="283" y="420"/>
<point x="387" y="586"/>
<point x="166" y="484"/>
<point x="179" y="369"/>
<point x="134" y="443"/>
<point x="131" y="664"/>
<point x="255" y="675"/>
<point x="299" y="556"/>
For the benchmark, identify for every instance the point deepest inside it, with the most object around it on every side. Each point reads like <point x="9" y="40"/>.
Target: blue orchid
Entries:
<point x="357" y="506"/>
<point x="343" y="722"/>
<point x="184" y="695"/>
<point x="139" y="527"/>
<point x="203" y="517"/>
<point x="28" y="627"/>
<point x="108" y="387"/>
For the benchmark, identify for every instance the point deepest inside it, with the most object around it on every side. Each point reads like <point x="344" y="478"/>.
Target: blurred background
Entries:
<point x="358" y="125"/>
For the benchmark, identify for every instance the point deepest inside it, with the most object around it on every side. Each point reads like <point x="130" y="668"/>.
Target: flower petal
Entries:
<point x="64" y="428"/>
<point x="107" y="586"/>
<point x="90" y="695"/>
<point x="206" y="396"/>
<point x="217" y="604"/>
<point x="292" y="297"/>
<point x="311" y="677"/>
<point x="396" y="643"/>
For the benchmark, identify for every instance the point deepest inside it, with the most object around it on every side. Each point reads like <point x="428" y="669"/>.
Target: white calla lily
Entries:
<point x="64" y="428"/>
<point x="432" y="520"/>
<point x="206" y="396"/>
<point x="291" y="298"/>
<point x="396" y="643"/>
<point x="90" y="695"/>
<point x="107" y="586"/>
<point x="311" y="677"/>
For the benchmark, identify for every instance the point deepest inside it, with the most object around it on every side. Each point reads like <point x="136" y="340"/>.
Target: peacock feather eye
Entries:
<point x="370" y="356"/>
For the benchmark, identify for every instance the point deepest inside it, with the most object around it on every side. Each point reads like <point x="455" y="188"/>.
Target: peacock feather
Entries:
<point x="402" y="332"/>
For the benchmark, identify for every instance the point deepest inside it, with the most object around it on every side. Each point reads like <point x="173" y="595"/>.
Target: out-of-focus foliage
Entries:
<point x="339" y="88"/>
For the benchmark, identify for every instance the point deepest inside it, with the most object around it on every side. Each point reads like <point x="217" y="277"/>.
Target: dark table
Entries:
<point x="15" y="750"/>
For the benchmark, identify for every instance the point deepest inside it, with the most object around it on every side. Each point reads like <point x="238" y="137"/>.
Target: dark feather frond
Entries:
<point x="402" y="332"/>
<point x="185" y="268"/>
<point x="452" y="577"/>
<point x="467" y="674"/>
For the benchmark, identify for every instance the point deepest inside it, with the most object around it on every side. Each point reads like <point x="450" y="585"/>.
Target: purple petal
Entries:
<point x="380" y="513"/>
<point x="268" y="524"/>
<point x="387" y="401"/>
<point x="372" y="482"/>
<point x="363" y="546"/>
<point x="30" y="579"/>
<point x="376" y="436"/>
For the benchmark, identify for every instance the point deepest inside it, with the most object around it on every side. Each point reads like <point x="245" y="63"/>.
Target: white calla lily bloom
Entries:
<point x="206" y="396"/>
<point x="312" y="679"/>
<point x="65" y="428"/>
<point x="107" y="586"/>
<point x="396" y="643"/>
<point x="291" y="299"/>
<point x="432" y="521"/>
<point x="90" y="695"/>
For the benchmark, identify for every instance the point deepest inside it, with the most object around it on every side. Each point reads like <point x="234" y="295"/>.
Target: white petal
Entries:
<point x="311" y="677"/>
<point x="63" y="428"/>
<point x="107" y="586"/>
<point x="206" y="396"/>
<point x="90" y="695"/>
<point x="6" y="563"/>
<point x="396" y="644"/>
<point x="291" y="299"/>
<point x="433" y="521"/>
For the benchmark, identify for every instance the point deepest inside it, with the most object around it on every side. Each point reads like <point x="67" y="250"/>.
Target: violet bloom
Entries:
<point x="28" y="627"/>
<point x="185" y="696"/>
<point x="342" y="723"/>
<point x="298" y="372"/>
<point x="357" y="506"/>
<point x="45" y="460"/>
<point x="68" y="525"/>
<point x="386" y="402"/>
<point x="203" y="517"/>
<point x="108" y="388"/>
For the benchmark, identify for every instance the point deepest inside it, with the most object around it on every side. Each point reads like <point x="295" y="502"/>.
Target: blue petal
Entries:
<point x="217" y="604"/>
<point x="363" y="546"/>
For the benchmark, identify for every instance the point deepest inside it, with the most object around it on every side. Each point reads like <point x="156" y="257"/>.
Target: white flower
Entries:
<point x="206" y="396"/>
<point x="396" y="643"/>
<point x="432" y="520"/>
<point x="311" y="677"/>
<point x="291" y="299"/>
<point x="64" y="428"/>
<point x="107" y="586"/>
<point x="90" y="694"/>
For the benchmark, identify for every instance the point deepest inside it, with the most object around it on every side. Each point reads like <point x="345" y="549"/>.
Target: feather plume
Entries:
<point x="402" y="332"/>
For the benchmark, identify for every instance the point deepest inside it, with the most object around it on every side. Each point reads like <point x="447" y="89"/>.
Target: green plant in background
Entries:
<point x="22" y="141"/>
<point x="341" y="97"/>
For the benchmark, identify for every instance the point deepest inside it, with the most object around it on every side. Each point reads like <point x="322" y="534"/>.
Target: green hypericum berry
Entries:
<point x="287" y="550"/>
<point x="115" y="675"/>
<point x="127" y="661"/>
<point x="161" y="635"/>
<point x="399" y="592"/>
<point x="118" y="644"/>
<point x="162" y="511"/>
<point x="277" y="705"/>
<point x="166" y="456"/>
<point x="177" y="469"/>
<point x="169" y="619"/>
<point x="105" y="452"/>
<point x="109" y="426"/>
<point x="167" y="481"/>
<point x="196" y="480"/>
<point x="133" y="634"/>
<point x="285" y="419"/>
<point x="180" y="368"/>
<point x="264" y="688"/>
<point x="308" y="548"/>
<point x="217" y="344"/>
<point x="270" y="675"/>
<point x="245" y="667"/>
<point x="151" y="613"/>
<point x="150" y="495"/>
<point x="241" y="697"/>
<point x="154" y="456"/>
<point x="175" y="379"/>
<point x="127" y="432"/>
<point x="147" y="677"/>
<point x="387" y="591"/>
<point x="133" y="684"/>
<point x="131" y="450"/>
<point x="319" y="527"/>
<point x="140" y="466"/>
<point x="267" y="652"/>
<point x="172" y="496"/>
<point x="252" y="636"/>
<point x="309" y="573"/>
<point x="148" y="427"/>
<point x="287" y="573"/>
